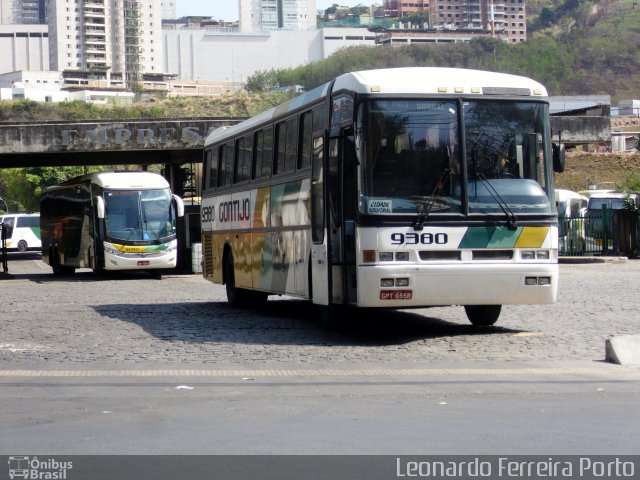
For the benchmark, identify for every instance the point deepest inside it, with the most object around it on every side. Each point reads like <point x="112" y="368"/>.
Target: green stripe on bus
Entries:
<point x="477" y="237"/>
<point x="504" y="238"/>
<point x="36" y="231"/>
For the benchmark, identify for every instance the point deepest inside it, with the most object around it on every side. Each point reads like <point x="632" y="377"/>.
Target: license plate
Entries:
<point x="396" y="294"/>
<point x="143" y="263"/>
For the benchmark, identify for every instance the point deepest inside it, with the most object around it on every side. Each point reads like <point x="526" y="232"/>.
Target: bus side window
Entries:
<point x="267" y="152"/>
<point x="243" y="161"/>
<point x="306" y="129"/>
<point x="287" y="135"/>
<point x="257" y="154"/>
<point x="226" y="165"/>
<point x="292" y="144"/>
<point x="212" y="161"/>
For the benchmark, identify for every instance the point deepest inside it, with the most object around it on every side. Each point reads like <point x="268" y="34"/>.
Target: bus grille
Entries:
<point x="207" y="255"/>
<point x="445" y="255"/>
<point x="493" y="254"/>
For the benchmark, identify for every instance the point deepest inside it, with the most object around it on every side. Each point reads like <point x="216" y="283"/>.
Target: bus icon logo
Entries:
<point x="18" y="467"/>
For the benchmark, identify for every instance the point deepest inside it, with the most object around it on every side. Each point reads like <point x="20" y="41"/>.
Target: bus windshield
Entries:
<point x="411" y="158"/>
<point x="139" y="215"/>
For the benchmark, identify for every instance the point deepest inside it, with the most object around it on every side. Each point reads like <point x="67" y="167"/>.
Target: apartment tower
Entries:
<point x="504" y="17"/>
<point x="116" y="40"/>
<point x="266" y="15"/>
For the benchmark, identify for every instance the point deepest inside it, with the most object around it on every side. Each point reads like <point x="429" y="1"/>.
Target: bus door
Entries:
<point x="319" y="247"/>
<point x="341" y="202"/>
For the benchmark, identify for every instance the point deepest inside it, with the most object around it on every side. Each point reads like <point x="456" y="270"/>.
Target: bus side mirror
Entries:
<point x="179" y="205"/>
<point x="558" y="157"/>
<point x="100" y="209"/>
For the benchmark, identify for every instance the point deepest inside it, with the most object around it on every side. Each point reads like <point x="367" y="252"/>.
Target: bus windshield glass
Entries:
<point x="139" y="215"/>
<point x="411" y="158"/>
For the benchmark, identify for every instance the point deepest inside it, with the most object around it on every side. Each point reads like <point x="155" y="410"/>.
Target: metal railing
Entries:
<point x="605" y="232"/>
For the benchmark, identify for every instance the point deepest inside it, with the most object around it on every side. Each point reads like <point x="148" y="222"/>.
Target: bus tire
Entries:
<point x="22" y="246"/>
<point x="234" y="294"/>
<point x="54" y="261"/>
<point x="483" y="315"/>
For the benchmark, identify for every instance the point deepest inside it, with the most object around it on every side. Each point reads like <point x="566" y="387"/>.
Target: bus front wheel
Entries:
<point x="483" y="315"/>
<point x="22" y="246"/>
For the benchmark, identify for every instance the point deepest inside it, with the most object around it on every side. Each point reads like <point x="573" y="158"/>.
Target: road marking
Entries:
<point x="439" y="372"/>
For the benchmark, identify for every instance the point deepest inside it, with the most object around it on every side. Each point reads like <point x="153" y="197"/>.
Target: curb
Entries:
<point x="623" y="349"/>
<point x="585" y="260"/>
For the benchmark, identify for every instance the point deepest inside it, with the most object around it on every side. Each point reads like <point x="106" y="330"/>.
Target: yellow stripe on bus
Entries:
<point x="532" y="237"/>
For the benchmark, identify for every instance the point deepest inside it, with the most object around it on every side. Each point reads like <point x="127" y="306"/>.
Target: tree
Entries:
<point x="262" y="81"/>
<point x="21" y="187"/>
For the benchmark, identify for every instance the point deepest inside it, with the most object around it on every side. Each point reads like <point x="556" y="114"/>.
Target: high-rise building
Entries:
<point x="32" y="12"/>
<point x="504" y="17"/>
<point x="266" y="15"/>
<point x="168" y="9"/>
<point x="110" y="39"/>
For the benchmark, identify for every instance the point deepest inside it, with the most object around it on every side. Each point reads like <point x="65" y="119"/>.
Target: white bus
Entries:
<point x="110" y="221"/>
<point x="22" y="231"/>
<point x="406" y="187"/>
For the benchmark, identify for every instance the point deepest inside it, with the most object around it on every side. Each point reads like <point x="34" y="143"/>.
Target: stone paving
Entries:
<point x="134" y="319"/>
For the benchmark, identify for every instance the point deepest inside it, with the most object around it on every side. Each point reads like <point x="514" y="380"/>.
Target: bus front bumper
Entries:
<point x="430" y="285"/>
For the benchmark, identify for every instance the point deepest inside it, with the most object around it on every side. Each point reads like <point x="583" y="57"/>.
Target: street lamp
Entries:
<point x="6" y="207"/>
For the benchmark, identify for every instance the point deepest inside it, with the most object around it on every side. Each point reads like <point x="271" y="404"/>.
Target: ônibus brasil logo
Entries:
<point x="33" y="468"/>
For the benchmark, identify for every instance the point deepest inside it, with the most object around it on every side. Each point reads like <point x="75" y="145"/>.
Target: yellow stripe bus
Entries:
<point x="407" y="187"/>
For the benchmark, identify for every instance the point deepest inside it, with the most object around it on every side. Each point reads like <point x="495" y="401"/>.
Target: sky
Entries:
<point x="228" y="9"/>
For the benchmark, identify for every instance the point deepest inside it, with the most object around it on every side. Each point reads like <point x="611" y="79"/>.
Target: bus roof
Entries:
<point x="397" y="81"/>
<point x="434" y="80"/>
<point x="119" y="180"/>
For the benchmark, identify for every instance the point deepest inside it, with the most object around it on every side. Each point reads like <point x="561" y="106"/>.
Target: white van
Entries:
<point x="572" y="208"/>
<point x="22" y="231"/>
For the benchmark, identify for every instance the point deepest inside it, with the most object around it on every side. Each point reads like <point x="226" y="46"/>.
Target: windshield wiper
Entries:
<point x="511" y="217"/>
<point x="424" y="209"/>
<point x="146" y="224"/>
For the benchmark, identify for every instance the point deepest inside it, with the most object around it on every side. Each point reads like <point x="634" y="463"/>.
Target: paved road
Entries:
<point x="134" y="365"/>
<point x="182" y="320"/>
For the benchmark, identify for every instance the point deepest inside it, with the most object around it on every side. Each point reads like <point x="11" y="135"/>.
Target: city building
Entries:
<point x="168" y="9"/>
<point x="268" y="15"/>
<point x="32" y="85"/>
<point x="118" y="40"/>
<point x="24" y="47"/>
<point x="23" y="12"/>
<point x="188" y="52"/>
<point x="501" y="18"/>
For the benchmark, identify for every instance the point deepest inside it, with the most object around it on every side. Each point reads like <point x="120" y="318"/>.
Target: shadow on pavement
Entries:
<point x="285" y="322"/>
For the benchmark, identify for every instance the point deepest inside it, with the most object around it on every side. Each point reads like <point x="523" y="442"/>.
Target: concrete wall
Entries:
<point x="581" y="130"/>
<point x="24" y="47"/>
<point x="233" y="57"/>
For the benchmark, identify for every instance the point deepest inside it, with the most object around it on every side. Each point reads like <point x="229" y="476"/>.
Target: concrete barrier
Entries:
<point x="623" y="350"/>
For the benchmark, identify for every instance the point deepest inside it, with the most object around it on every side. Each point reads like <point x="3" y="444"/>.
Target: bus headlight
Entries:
<point x="402" y="256"/>
<point x="543" y="255"/>
<point x="111" y="251"/>
<point x="528" y="255"/>
<point x="386" y="256"/>
<point x="386" y="282"/>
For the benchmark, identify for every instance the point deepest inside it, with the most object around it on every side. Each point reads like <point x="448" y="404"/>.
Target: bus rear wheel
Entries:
<point x="58" y="269"/>
<point x="483" y="315"/>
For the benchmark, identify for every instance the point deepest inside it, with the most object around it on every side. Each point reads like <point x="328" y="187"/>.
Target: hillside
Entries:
<point x="583" y="169"/>
<point x="574" y="47"/>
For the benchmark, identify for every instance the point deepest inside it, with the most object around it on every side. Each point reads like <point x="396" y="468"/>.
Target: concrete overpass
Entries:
<point x="169" y="142"/>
